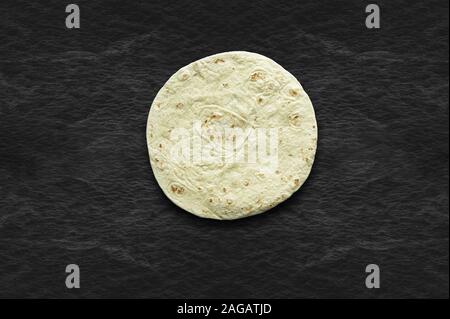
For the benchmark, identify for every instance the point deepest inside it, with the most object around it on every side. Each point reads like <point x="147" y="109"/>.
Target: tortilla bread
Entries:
<point x="238" y="90"/>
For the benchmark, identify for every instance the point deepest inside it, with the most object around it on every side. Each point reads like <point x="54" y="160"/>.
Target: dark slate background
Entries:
<point x="76" y="184"/>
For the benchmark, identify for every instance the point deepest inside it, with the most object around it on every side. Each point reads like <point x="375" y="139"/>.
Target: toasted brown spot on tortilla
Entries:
<point x="255" y="76"/>
<point x="177" y="189"/>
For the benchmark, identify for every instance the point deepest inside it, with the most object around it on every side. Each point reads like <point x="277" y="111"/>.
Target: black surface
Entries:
<point x="76" y="185"/>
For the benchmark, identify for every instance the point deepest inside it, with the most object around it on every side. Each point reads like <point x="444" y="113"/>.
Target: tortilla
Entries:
<point x="231" y="135"/>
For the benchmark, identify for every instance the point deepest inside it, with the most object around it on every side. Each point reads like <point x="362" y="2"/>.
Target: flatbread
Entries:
<point x="212" y="99"/>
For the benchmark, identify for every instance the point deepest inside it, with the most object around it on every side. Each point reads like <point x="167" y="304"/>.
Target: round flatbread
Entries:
<point x="231" y="135"/>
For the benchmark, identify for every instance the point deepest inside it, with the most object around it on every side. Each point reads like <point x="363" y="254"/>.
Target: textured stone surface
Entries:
<point x="76" y="185"/>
